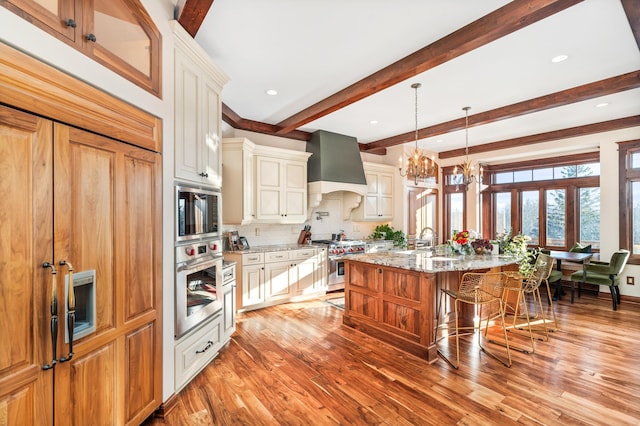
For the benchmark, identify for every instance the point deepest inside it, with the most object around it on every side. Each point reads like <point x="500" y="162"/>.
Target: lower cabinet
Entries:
<point x="228" y="301"/>
<point x="194" y="351"/>
<point x="271" y="277"/>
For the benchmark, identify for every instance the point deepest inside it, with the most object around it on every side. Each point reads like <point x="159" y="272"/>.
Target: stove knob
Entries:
<point x="213" y="246"/>
<point x="190" y="251"/>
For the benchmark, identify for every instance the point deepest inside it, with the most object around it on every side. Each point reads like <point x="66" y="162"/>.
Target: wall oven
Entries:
<point x="198" y="284"/>
<point x="198" y="213"/>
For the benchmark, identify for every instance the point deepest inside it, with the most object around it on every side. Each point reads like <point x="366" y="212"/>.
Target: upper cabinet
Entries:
<point x="198" y="112"/>
<point x="263" y="184"/>
<point x="117" y="33"/>
<point x="377" y="204"/>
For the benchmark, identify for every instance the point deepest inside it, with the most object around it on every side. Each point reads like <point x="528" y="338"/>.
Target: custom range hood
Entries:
<point x="335" y="166"/>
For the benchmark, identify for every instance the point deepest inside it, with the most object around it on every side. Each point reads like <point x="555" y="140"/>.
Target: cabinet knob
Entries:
<point x="91" y="37"/>
<point x="204" y="174"/>
<point x="70" y="23"/>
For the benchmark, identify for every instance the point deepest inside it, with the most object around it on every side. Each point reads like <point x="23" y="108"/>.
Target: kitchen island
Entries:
<point x="394" y="296"/>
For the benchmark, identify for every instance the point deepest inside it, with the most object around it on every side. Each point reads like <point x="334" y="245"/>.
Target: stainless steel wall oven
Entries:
<point x="198" y="284"/>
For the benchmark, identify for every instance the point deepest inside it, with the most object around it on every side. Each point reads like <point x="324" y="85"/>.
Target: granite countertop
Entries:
<point x="427" y="262"/>
<point x="276" y="247"/>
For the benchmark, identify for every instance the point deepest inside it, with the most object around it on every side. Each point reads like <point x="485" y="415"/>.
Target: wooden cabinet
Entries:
<point x="377" y="204"/>
<point x="117" y="33"/>
<point x="238" y="177"/>
<point x="95" y="203"/>
<point x="263" y="184"/>
<point x="279" y="276"/>
<point x="198" y="83"/>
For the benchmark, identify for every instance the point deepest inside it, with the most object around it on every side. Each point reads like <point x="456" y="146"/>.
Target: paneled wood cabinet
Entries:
<point x="117" y="33"/>
<point x="263" y="184"/>
<point x="95" y="203"/>
<point x="198" y="83"/>
<point x="377" y="204"/>
<point x="272" y="277"/>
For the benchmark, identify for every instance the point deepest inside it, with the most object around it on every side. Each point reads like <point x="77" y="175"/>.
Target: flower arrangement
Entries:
<point x="516" y="246"/>
<point x="461" y="241"/>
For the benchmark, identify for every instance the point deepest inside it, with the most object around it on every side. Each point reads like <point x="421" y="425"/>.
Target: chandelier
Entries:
<point x="464" y="173"/>
<point x="419" y="166"/>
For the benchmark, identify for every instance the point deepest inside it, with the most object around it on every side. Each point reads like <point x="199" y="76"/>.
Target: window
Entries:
<point x="629" y="196"/>
<point x="555" y="201"/>
<point x="456" y="212"/>
<point x="455" y="199"/>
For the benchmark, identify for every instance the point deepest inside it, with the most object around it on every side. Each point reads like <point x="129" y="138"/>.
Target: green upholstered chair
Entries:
<point x="603" y="273"/>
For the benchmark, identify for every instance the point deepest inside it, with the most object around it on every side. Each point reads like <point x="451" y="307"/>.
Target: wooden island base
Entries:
<point x="399" y="306"/>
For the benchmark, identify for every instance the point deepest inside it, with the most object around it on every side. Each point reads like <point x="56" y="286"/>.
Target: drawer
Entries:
<point x="252" y="258"/>
<point x="228" y="273"/>
<point x="303" y="254"/>
<point x="277" y="256"/>
<point x="196" y="350"/>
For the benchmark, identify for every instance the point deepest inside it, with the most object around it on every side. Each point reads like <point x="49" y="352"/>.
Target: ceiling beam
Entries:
<point x="589" y="129"/>
<point x="512" y="17"/>
<point x="565" y="97"/>
<point x="191" y="15"/>
<point x="632" y="10"/>
<point x="234" y="120"/>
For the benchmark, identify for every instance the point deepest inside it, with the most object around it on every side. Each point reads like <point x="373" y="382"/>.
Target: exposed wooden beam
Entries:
<point x="192" y="14"/>
<point x="577" y="94"/>
<point x="589" y="129"/>
<point x="514" y="16"/>
<point x="234" y="120"/>
<point x="632" y="9"/>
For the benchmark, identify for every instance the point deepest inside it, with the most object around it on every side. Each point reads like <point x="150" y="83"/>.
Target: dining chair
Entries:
<point x="479" y="289"/>
<point x="604" y="273"/>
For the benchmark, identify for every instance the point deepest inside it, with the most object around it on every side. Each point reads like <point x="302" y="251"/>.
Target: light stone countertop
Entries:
<point x="427" y="262"/>
<point x="276" y="247"/>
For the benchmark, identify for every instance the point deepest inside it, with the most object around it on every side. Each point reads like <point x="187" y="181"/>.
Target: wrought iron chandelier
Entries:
<point x="419" y="166"/>
<point x="465" y="172"/>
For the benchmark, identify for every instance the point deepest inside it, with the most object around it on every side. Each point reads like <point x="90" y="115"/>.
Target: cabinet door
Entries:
<point x="385" y="195"/>
<point x="51" y="15"/>
<point x="295" y="191"/>
<point x="229" y="309"/>
<point x="253" y="291"/>
<point x="277" y="280"/>
<point x="26" y="223"/>
<point x="108" y="219"/>
<point x="211" y="146"/>
<point x="269" y="178"/>
<point x="303" y="278"/>
<point x="188" y="119"/>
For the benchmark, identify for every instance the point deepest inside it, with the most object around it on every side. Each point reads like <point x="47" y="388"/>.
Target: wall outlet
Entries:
<point x="631" y="280"/>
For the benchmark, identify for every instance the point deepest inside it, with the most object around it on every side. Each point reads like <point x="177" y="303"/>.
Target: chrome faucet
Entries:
<point x="432" y="239"/>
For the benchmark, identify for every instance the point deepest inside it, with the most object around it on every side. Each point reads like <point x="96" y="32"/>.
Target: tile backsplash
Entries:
<point x="322" y="226"/>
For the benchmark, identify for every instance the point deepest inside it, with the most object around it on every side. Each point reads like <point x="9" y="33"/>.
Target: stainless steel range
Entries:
<point x="337" y="250"/>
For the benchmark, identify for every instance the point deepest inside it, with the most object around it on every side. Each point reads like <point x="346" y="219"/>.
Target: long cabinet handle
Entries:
<point x="54" y="316"/>
<point x="71" y="310"/>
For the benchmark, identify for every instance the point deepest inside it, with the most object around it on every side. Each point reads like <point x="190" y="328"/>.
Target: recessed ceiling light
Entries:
<point x="559" y="58"/>
<point x="373" y="122"/>
<point x="439" y="140"/>
<point x="272" y="92"/>
<point x="603" y="104"/>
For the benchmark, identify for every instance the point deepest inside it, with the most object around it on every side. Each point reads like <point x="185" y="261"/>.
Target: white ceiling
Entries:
<point x="309" y="49"/>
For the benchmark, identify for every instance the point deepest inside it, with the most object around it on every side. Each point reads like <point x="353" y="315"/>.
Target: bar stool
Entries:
<point x="478" y="289"/>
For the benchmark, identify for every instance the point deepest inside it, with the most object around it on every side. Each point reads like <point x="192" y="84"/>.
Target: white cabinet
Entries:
<point x="228" y="301"/>
<point x="263" y="184"/>
<point x="197" y="109"/>
<point x="274" y="277"/>
<point x="237" y="174"/>
<point x="377" y="204"/>
<point x="281" y="190"/>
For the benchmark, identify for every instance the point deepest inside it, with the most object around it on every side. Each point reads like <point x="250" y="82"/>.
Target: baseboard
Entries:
<point x="167" y="407"/>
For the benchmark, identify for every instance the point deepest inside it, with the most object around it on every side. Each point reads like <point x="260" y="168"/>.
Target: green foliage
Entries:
<point x="388" y="233"/>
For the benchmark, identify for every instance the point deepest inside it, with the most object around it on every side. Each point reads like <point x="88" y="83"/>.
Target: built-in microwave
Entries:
<point x="198" y="213"/>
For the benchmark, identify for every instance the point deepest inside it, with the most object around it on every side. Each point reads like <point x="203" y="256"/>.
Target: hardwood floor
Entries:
<point x="296" y="364"/>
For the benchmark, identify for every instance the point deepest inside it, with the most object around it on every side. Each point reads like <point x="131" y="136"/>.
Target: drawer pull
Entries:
<point x="206" y="348"/>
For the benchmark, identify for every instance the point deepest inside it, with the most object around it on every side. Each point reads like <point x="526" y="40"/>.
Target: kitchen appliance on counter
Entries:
<point x="337" y="250"/>
<point x="198" y="283"/>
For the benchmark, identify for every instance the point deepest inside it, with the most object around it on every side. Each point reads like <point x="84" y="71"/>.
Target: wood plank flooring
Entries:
<point x="296" y="364"/>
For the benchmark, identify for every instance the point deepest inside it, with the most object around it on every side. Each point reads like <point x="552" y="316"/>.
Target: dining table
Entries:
<point x="569" y="256"/>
